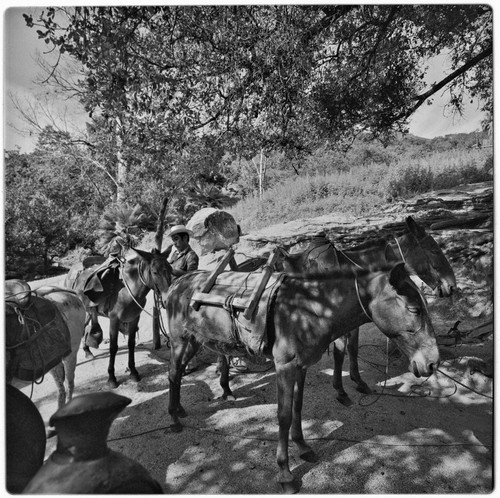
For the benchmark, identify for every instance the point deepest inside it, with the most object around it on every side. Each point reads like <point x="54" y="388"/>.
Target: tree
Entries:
<point x="263" y="77"/>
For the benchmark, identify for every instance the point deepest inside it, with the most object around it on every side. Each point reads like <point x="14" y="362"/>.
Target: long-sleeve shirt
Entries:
<point x="186" y="260"/>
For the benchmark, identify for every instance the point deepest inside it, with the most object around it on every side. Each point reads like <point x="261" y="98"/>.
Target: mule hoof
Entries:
<point x="174" y="428"/>
<point x="363" y="388"/>
<point x="135" y="377"/>
<point x="89" y="355"/>
<point x="309" y="456"/>
<point x="344" y="400"/>
<point x="229" y="397"/>
<point x="181" y="412"/>
<point x="112" y="383"/>
<point x="291" y="487"/>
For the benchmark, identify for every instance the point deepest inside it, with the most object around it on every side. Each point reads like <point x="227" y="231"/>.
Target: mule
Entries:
<point x="65" y="305"/>
<point x="123" y="299"/>
<point x="306" y="315"/>
<point x="420" y="252"/>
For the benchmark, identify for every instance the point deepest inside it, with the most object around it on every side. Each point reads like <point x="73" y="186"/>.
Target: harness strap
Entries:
<point x="130" y="291"/>
<point x="31" y="338"/>
<point x="359" y="299"/>
<point x="400" y="250"/>
<point x="349" y="259"/>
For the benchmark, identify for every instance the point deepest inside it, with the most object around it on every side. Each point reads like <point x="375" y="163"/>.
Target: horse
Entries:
<point x="57" y="310"/>
<point x="120" y="295"/>
<point x="420" y="252"/>
<point x="306" y="314"/>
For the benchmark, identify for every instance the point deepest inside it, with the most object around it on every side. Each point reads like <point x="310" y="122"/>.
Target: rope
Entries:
<point x="275" y="439"/>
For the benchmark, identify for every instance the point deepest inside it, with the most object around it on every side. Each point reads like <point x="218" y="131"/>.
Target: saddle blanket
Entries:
<point x="37" y="339"/>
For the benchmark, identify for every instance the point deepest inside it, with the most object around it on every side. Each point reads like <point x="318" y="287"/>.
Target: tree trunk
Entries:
<point x="159" y="240"/>
<point x="121" y="169"/>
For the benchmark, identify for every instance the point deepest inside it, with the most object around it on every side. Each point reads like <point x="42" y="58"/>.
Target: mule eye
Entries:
<point x="414" y="310"/>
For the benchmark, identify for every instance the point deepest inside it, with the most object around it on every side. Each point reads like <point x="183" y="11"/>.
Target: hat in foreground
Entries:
<point x="179" y="229"/>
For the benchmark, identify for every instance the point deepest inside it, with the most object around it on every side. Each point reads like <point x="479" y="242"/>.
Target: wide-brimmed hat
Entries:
<point x="179" y="229"/>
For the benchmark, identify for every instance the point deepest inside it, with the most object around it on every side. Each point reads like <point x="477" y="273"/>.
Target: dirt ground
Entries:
<point x="411" y="436"/>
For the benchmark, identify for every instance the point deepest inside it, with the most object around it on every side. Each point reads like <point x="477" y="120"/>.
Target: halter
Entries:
<point x="356" y="285"/>
<point x="438" y="284"/>
<point x="154" y="287"/>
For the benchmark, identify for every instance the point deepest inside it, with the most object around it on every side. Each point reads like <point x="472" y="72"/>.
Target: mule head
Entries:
<point x="155" y="271"/>
<point x="400" y="312"/>
<point x="424" y="258"/>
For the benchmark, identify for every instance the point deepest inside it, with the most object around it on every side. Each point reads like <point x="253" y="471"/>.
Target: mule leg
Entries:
<point x="352" y="348"/>
<point x="180" y="354"/>
<point x="92" y="324"/>
<point x="223" y="366"/>
<point x="58" y="374"/>
<point x="113" y="349"/>
<point x="285" y="380"/>
<point x="339" y="347"/>
<point x="305" y="451"/>
<point x="132" y="332"/>
<point x="69" y="370"/>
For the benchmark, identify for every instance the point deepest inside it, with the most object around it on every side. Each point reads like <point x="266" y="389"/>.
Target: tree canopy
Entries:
<point x="272" y="71"/>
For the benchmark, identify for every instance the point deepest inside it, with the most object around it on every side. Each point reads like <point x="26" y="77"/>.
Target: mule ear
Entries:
<point x="143" y="254"/>
<point x="415" y="228"/>
<point x="168" y="250"/>
<point x="390" y="255"/>
<point x="398" y="275"/>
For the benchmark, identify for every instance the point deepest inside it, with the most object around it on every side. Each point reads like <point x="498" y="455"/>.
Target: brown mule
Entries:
<point x="122" y="299"/>
<point x="419" y="250"/>
<point x="306" y="315"/>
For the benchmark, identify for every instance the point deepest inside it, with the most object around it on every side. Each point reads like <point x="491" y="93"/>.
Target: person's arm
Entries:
<point x="192" y="262"/>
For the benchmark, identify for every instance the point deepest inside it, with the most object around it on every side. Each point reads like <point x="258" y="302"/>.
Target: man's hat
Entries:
<point x="179" y="229"/>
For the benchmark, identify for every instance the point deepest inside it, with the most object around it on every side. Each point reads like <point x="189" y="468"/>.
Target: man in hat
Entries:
<point x="182" y="258"/>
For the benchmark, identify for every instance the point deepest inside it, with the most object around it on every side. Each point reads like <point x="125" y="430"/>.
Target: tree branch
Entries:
<point x="461" y="70"/>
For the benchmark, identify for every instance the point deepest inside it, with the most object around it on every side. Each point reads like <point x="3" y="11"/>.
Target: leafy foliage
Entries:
<point x="252" y="77"/>
<point x="121" y="228"/>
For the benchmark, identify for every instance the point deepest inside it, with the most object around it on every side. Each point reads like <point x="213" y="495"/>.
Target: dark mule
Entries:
<point x="307" y="313"/>
<point x="421" y="254"/>
<point x="122" y="298"/>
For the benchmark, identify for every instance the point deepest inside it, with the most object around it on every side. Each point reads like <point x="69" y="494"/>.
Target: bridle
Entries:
<point x="154" y="287"/>
<point x="358" y="294"/>
<point x="434" y="274"/>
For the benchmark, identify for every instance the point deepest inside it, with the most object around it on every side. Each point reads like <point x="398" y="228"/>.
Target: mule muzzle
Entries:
<point x="446" y="288"/>
<point x="423" y="368"/>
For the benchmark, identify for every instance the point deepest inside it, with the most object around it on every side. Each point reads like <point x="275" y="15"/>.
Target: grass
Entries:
<point x="362" y="190"/>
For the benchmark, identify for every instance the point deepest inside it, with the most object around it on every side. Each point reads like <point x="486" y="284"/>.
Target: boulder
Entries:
<point x="213" y="230"/>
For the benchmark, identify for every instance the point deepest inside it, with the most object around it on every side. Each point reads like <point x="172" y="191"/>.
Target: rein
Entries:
<point x="130" y="291"/>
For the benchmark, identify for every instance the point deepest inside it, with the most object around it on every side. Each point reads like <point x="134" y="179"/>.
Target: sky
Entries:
<point x="20" y="45"/>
